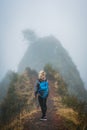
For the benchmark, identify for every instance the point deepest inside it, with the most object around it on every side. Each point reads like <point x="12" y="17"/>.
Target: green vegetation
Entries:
<point x="78" y="106"/>
<point x="19" y="101"/>
<point x="4" y="85"/>
<point x="71" y="102"/>
<point x="50" y="71"/>
<point x="10" y="106"/>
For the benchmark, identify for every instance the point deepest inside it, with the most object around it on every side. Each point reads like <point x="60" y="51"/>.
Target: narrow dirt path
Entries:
<point x="54" y="121"/>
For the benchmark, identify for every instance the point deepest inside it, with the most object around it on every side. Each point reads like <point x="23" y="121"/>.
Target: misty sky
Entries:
<point x="65" y="19"/>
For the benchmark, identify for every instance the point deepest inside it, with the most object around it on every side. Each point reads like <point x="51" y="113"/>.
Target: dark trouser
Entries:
<point x="42" y="102"/>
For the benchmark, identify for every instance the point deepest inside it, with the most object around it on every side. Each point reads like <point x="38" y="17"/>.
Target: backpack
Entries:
<point x="43" y="89"/>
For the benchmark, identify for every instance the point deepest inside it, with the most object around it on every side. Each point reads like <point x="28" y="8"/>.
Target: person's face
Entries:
<point x="43" y="77"/>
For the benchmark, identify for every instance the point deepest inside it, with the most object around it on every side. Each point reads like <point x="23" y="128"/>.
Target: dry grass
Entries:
<point x="69" y="114"/>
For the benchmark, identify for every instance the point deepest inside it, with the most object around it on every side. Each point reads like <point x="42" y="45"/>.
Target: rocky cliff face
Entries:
<point x="48" y="50"/>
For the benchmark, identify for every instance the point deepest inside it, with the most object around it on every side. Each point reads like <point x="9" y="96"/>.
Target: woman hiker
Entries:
<point x="42" y="92"/>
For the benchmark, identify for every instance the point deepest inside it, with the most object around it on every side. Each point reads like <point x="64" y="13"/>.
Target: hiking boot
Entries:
<point x="43" y="118"/>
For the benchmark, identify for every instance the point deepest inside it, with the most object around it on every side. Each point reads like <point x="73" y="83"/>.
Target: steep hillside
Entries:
<point x="19" y="99"/>
<point x="19" y="112"/>
<point x="48" y="50"/>
<point x="4" y="85"/>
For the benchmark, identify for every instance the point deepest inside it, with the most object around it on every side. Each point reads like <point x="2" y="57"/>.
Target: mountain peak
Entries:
<point x="49" y="50"/>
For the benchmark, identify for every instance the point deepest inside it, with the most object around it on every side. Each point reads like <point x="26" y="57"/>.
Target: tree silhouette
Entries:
<point x="29" y="35"/>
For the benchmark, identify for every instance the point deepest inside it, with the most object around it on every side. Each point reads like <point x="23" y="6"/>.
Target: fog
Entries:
<point x="65" y="19"/>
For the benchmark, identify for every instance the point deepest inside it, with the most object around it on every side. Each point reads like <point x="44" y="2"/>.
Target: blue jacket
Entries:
<point x="37" y="86"/>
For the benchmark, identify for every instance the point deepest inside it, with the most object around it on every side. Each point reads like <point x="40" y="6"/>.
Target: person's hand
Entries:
<point x="37" y="103"/>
